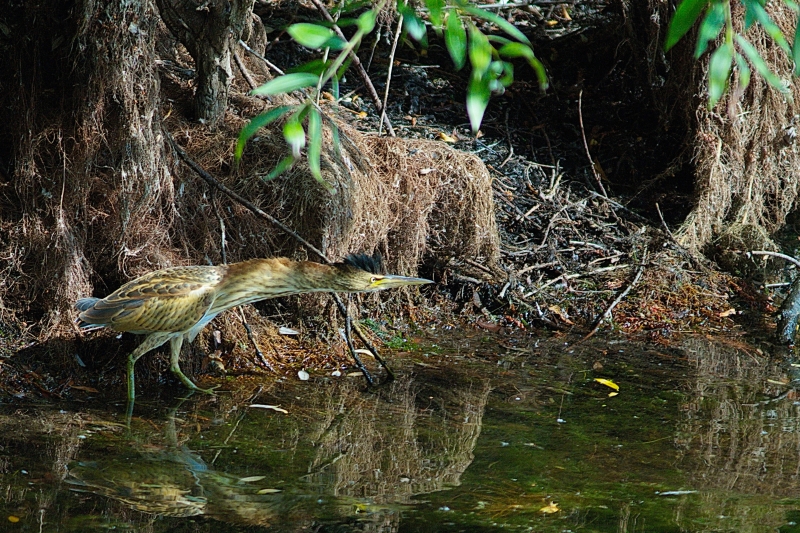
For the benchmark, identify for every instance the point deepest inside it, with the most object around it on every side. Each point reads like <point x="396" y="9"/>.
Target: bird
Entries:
<point x="175" y="304"/>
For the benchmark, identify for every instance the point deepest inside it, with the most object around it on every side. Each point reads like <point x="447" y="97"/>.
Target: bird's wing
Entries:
<point x="173" y="299"/>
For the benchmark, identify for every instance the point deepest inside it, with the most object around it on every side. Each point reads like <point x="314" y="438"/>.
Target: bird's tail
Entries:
<point x="86" y="303"/>
<point x="82" y="305"/>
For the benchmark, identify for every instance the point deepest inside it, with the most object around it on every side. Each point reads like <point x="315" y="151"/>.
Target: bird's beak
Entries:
<point x="388" y="281"/>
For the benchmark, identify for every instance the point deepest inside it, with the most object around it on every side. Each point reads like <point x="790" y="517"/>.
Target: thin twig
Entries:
<point x="566" y="277"/>
<point x="248" y="78"/>
<point x="252" y="340"/>
<point x="508" y="137"/>
<point x="223" y="248"/>
<point x="373" y="94"/>
<point x="663" y="223"/>
<point x="617" y="300"/>
<point x="586" y="146"/>
<point x="208" y="178"/>
<point x="266" y="61"/>
<point x="776" y="254"/>
<point x="389" y="71"/>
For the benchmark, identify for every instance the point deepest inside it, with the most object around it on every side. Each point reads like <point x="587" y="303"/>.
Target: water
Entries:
<point x="494" y="435"/>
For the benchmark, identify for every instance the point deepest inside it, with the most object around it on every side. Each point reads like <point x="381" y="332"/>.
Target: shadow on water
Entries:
<point x="703" y="437"/>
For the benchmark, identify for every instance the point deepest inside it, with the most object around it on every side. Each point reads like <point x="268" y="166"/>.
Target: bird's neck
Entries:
<point x="260" y="279"/>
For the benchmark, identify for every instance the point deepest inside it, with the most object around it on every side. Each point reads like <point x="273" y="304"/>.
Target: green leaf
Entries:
<point x="508" y="74"/>
<point x="759" y="13"/>
<point x="498" y="39"/>
<point x="350" y="7"/>
<point x="496" y="19"/>
<point x="315" y="36"/>
<point x="719" y="70"/>
<point x="257" y="123"/>
<point x="516" y="50"/>
<point x="366" y="22"/>
<point x="761" y="66"/>
<point x="744" y="71"/>
<point x="685" y="16"/>
<point x="287" y="83"/>
<point x="315" y="66"/>
<point x="295" y="136"/>
<point x="477" y="99"/>
<point x="455" y="38"/>
<point x="436" y="12"/>
<point x="412" y="23"/>
<point x="796" y="49"/>
<point x="710" y="28"/>
<point x="480" y="51"/>
<point x="315" y="144"/>
<point x="284" y="165"/>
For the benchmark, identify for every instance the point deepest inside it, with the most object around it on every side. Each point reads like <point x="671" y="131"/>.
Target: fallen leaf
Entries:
<point x="729" y="312"/>
<point x="446" y="138"/>
<point x="489" y="326"/>
<point x="607" y="383"/>
<point x="268" y="491"/>
<point x="551" y="508"/>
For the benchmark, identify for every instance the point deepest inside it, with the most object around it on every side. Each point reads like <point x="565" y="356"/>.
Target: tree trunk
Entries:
<point x="210" y="31"/>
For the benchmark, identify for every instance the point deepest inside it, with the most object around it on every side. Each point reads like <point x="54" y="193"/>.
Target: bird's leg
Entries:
<point x="152" y="341"/>
<point x="353" y="353"/>
<point x="175" y="344"/>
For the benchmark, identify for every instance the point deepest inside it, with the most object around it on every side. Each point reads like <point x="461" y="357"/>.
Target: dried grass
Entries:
<point x="747" y="165"/>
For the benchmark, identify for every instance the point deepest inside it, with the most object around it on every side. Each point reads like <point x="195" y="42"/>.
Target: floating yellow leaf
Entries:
<point x="268" y="491"/>
<point x="13" y="519"/>
<point x="612" y="394"/>
<point x="607" y="383"/>
<point x="550" y="508"/>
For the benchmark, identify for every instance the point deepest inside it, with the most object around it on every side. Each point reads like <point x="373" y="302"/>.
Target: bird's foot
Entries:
<point x="190" y="384"/>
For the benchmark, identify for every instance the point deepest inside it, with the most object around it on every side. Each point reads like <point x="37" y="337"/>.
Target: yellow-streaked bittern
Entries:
<point x="174" y="304"/>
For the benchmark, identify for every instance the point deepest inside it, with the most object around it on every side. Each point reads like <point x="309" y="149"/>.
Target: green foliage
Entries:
<point x="489" y="57"/>
<point x="315" y="36"/>
<point x="733" y="50"/>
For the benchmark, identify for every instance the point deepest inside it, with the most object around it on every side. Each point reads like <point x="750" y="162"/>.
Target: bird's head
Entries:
<point x="363" y="273"/>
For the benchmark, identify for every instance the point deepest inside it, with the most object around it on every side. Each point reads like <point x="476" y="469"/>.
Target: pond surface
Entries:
<point x="494" y="435"/>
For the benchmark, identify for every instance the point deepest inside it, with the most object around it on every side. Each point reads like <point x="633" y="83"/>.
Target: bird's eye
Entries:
<point x="373" y="279"/>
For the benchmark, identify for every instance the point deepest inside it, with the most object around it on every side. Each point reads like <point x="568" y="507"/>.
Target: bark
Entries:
<point x="209" y="30"/>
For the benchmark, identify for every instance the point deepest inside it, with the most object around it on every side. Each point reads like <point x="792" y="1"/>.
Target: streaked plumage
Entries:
<point x="174" y="304"/>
